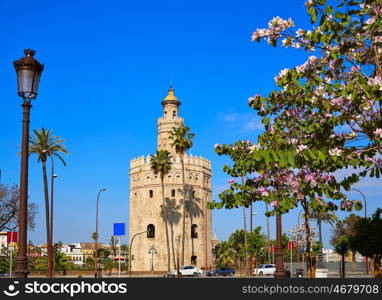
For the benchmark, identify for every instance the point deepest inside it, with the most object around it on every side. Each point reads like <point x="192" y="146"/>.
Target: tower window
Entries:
<point x="151" y="193"/>
<point x="150" y="231"/>
<point x="194" y="233"/>
<point x="174" y="114"/>
<point x="172" y="193"/>
<point x="193" y="194"/>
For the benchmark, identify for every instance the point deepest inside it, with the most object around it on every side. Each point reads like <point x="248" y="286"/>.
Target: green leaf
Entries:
<point x="321" y="156"/>
<point x="329" y="9"/>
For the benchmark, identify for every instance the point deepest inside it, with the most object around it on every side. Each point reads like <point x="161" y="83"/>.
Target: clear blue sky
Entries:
<point x="108" y="66"/>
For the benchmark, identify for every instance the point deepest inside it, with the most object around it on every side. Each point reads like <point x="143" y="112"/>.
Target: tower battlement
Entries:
<point x="142" y="161"/>
<point x="162" y="120"/>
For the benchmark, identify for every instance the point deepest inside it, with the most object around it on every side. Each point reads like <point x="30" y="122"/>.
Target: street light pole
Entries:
<point x="364" y="200"/>
<point x="131" y="245"/>
<point x="28" y="71"/>
<point x="53" y="176"/>
<point x="96" y="240"/>
<point x="251" y="229"/>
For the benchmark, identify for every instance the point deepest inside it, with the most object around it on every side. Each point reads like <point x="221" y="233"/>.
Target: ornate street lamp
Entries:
<point x="152" y="251"/>
<point x="28" y="71"/>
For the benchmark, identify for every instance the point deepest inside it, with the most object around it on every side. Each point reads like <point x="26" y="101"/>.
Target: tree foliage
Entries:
<point x="9" y="209"/>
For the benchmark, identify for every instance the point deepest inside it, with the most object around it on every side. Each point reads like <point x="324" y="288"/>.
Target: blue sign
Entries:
<point x="119" y="229"/>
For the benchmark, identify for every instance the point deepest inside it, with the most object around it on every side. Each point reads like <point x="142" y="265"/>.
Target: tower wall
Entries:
<point x="145" y="210"/>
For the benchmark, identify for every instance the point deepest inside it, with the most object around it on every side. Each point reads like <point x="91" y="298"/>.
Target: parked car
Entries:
<point x="268" y="269"/>
<point x="222" y="272"/>
<point x="186" y="271"/>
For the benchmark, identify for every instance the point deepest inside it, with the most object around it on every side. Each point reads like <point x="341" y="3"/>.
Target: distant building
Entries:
<point x="88" y="250"/>
<point x="331" y="256"/>
<point x="3" y="240"/>
<point x="74" y="252"/>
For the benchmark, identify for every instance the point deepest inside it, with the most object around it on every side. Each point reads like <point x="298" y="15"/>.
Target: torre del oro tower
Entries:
<point x="149" y="249"/>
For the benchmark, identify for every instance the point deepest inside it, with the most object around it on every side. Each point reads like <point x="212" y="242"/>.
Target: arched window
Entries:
<point x="194" y="233"/>
<point x="151" y="193"/>
<point x="193" y="194"/>
<point x="172" y="193"/>
<point x="150" y="231"/>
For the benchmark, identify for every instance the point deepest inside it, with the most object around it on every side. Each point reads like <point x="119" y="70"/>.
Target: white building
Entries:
<point x="3" y="242"/>
<point x="331" y="256"/>
<point x="74" y="252"/>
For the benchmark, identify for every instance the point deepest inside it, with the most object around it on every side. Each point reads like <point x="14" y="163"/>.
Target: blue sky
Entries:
<point x="108" y="65"/>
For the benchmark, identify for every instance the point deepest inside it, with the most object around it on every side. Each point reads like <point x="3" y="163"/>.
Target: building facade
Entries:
<point x="146" y="204"/>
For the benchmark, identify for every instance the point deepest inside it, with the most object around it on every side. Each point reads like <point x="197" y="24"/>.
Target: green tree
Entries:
<point x="44" y="144"/>
<point x="367" y="239"/>
<point x="161" y="163"/>
<point x="257" y="243"/>
<point x="181" y="138"/>
<point x="89" y="262"/>
<point x="225" y="255"/>
<point x="341" y="246"/>
<point x="345" y="227"/>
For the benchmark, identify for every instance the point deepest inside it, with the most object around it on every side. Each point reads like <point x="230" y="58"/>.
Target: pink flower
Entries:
<point x="263" y="191"/>
<point x="301" y="148"/>
<point x="274" y="203"/>
<point x="335" y="152"/>
<point x="378" y="133"/>
<point x="231" y="181"/>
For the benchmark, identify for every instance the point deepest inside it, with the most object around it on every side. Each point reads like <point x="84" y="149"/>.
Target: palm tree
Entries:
<point x="323" y="216"/>
<point x="225" y="254"/>
<point x="44" y="144"/>
<point x="161" y="163"/>
<point x="341" y="246"/>
<point x="182" y="141"/>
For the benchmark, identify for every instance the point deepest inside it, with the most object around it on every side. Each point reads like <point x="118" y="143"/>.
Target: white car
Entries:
<point x="187" y="271"/>
<point x="268" y="269"/>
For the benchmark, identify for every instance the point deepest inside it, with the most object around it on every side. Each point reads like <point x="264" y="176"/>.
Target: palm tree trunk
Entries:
<point x="184" y="209"/>
<point x="46" y="196"/>
<point x="166" y="225"/>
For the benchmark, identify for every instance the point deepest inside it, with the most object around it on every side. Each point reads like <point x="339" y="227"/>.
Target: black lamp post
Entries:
<point x="28" y="71"/>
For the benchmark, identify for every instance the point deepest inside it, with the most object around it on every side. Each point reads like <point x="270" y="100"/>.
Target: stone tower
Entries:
<point x="146" y="201"/>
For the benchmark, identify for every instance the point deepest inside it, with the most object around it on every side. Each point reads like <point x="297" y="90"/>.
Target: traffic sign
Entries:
<point x="290" y="245"/>
<point x="11" y="237"/>
<point x="119" y="229"/>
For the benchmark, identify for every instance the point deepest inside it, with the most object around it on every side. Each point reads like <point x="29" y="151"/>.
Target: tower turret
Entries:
<point x="169" y="120"/>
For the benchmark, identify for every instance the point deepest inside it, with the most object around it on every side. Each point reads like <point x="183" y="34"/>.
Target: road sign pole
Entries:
<point x="10" y="256"/>
<point x="291" y="259"/>
<point x="119" y="258"/>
